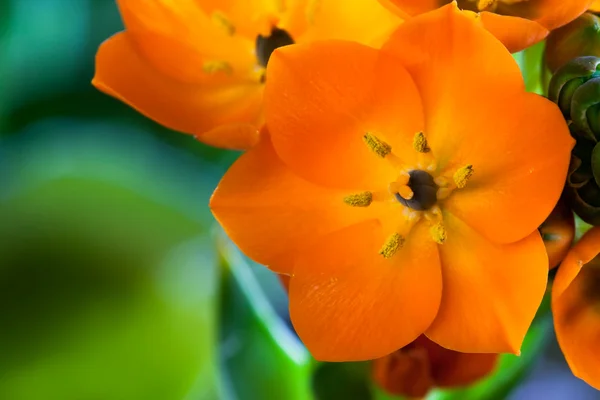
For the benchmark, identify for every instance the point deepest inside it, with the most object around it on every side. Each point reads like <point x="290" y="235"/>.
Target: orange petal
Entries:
<point x="475" y="101"/>
<point x="558" y="232"/>
<point x="366" y="22"/>
<point x="515" y="33"/>
<point x="172" y="36"/>
<point x="460" y="70"/>
<point x="349" y="303"/>
<point x="512" y="193"/>
<point x="491" y="291"/>
<point x="247" y="16"/>
<point x="595" y="6"/>
<point x="406" y="8"/>
<point x="522" y="24"/>
<point x="270" y="213"/>
<point x="192" y="109"/>
<point x="321" y="99"/>
<point x="576" y="308"/>
<point x="555" y="13"/>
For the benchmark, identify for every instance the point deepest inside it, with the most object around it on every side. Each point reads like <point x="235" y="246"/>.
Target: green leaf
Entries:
<point x="530" y="62"/>
<point x="581" y="227"/>
<point x="263" y="358"/>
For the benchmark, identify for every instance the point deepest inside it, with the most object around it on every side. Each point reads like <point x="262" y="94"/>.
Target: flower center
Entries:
<point x="419" y="190"/>
<point x="424" y="191"/>
<point x="266" y="45"/>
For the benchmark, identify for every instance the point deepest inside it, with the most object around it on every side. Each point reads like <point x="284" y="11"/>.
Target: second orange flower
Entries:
<point x="517" y="23"/>
<point x="197" y="66"/>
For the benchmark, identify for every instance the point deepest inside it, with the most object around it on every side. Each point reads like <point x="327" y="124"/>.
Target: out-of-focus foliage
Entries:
<point x="261" y="355"/>
<point x="107" y="275"/>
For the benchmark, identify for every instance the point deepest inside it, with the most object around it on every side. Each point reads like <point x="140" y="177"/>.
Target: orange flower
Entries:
<point x="595" y="6"/>
<point x="517" y="23"/>
<point x="197" y="66"/>
<point x="576" y="307"/>
<point x="423" y="365"/>
<point x="558" y="232"/>
<point x="402" y="190"/>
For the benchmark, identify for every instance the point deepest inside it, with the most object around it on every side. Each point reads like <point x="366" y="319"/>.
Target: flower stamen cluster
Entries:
<point x="417" y="190"/>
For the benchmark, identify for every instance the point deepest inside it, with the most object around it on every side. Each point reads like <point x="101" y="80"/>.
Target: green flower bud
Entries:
<point x="579" y="38"/>
<point x="580" y="170"/>
<point x="584" y="108"/>
<point x="583" y="181"/>
<point x="568" y="80"/>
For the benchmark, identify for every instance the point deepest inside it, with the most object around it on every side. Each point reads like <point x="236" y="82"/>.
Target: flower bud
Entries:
<point x="579" y="38"/>
<point x="585" y="103"/>
<point x="407" y="372"/>
<point x="583" y="190"/>
<point x="423" y="365"/>
<point x="568" y="80"/>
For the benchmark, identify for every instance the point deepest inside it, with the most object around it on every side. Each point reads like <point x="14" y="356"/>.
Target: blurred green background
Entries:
<point x="114" y="281"/>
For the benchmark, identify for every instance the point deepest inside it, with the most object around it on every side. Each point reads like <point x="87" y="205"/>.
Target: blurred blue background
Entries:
<point x="114" y="281"/>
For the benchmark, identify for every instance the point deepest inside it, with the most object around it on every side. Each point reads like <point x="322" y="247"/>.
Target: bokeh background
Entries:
<point x="115" y="282"/>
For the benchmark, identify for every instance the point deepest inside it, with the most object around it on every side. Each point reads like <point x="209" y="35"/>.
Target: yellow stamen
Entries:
<point x="312" y="8"/>
<point x="425" y="159"/>
<point x="392" y="245"/>
<point x="223" y="22"/>
<point x="363" y="199"/>
<point x="443" y="193"/>
<point x="485" y="4"/>
<point x="377" y="146"/>
<point x="212" y="67"/>
<point x="420" y="143"/>
<point x="438" y="232"/>
<point x="397" y="164"/>
<point x="462" y="176"/>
